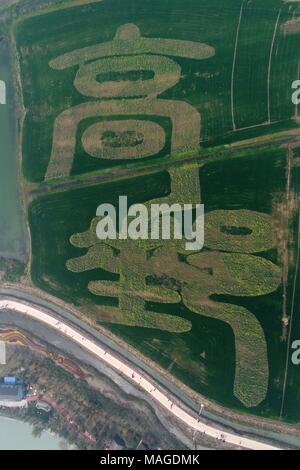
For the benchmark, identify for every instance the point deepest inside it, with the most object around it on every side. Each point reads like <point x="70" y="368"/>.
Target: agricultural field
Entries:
<point x="204" y="79"/>
<point x="177" y="310"/>
<point x="192" y="100"/>
<point x="12" y="240"/>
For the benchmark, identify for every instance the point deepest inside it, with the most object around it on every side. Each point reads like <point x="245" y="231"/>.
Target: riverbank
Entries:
<point x="266" y="428"/>
<point x="89" y="344"/>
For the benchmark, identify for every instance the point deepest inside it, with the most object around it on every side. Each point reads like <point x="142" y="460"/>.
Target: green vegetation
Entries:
<point x="142" y="89"/>
<point x="95" y="405"/>
<point x="185" y="124"/>
<point x="147" y="286"/>
<point x="260" y="237"/>
<point x="119" y="139"/>
<point x="64" y="38"/>
<point x="166" y="75"/>
<point x="12" y="238"/>
<point x="12" y="270"/>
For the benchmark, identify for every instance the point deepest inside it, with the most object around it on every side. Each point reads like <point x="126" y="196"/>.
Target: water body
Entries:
<point x="12" y="238"/>
<point x="17" y="435"/>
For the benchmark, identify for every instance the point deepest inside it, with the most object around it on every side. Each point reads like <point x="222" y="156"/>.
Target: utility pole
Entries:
<point x="200" y="411"/>
<point x="195" y="432"/>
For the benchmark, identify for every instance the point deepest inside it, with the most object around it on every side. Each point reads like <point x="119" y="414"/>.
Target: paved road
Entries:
<point x="91" y="345"/>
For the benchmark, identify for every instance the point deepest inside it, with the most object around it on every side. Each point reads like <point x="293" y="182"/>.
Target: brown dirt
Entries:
<point x="292" y="26"/>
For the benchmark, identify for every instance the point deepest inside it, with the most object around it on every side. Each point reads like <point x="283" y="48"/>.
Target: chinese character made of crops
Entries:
<point x="123" y="79"/>
<point x="156" y="271"/>
<point x="162" y="271"/>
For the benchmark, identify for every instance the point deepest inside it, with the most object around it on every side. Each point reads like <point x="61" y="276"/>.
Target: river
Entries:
<point x="17" y="435"/>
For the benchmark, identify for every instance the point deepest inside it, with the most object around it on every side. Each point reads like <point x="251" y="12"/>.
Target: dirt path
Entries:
<point x="291" y="320"/>
<point x="120" y="173"/>
<point x="287" y="209"/>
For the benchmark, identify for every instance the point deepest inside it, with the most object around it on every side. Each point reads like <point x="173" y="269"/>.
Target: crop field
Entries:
<point x="186" y="312"/>
<point x="123" y="84"/>
<point x="12" y="243"/>
<point x="221" y="70"/>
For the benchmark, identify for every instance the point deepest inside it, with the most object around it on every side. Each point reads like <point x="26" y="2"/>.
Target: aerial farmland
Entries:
<point x="170" y="102"/>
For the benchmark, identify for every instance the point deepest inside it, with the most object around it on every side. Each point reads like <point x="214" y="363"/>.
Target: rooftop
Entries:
<point x="11" y="392"/>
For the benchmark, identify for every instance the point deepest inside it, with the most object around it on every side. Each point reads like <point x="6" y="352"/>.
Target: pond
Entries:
<point x="17" y="435"/>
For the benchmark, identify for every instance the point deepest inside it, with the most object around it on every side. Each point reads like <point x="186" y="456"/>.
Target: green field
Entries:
<point x="120" y="85"/>
<point x="12" y="239"/>
<point x="205" y="83"/>
<point x="195" y="355"/>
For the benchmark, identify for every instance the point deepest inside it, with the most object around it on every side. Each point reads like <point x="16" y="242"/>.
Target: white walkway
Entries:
<point x="134" y="376"/>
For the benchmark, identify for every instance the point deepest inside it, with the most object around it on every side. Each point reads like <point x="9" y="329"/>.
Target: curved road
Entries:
<point x="91" y="345"/>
